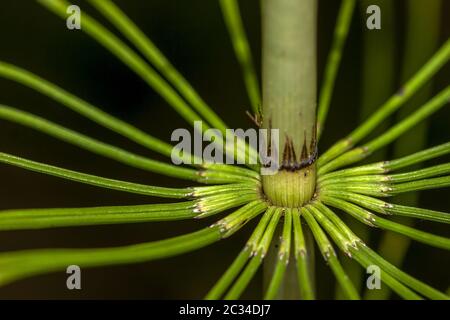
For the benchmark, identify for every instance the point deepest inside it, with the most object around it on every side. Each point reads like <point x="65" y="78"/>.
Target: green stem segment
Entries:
<point x="289" y="98"/>
<point x="289" y="71"/>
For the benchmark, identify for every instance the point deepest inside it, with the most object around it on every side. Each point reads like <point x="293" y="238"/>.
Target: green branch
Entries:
<point x="372" y="220"/>
<point x="357" y="154"/>
<point x="303" y="259"/>
<point x="129" y="58"/>
<point x="233" y="270"/>
<point x="412" y="85"/>
<point x="21" y="264"/>
<point x="63" y="217"/>
<point x="241" y="283"/>
<point x="282" y="262"/>
<point x="390" y="275"/>
<point x="333" y="61"/>
<point x="329" y="255"/>
<point x="233" y="21"/>
<point x="95" y="180"/>
<point x="389" y="208"/>
<point x="84" y="108"/>
<point x="132" y="32"/>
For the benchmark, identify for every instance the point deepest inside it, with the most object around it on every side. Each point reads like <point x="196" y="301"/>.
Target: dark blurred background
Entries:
<point x="192" y="35"/>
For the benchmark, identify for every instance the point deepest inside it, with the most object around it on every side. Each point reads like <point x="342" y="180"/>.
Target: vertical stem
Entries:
<point x="289" y="104"/>
<point x="289" y="98"/>
<point x="289" y="72"/>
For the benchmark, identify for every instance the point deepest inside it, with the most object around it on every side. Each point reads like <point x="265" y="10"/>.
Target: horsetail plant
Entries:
<point x="296" y="207"/>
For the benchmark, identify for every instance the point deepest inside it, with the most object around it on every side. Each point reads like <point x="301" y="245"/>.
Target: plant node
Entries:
<point x="290" y="188"/>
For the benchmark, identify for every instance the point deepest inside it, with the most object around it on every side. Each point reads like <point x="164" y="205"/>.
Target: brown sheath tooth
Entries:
<point x="304" y="155"/>
<point x="269" y="144"/>
<point x="254" y="118"/>
<point x="288" y="153"/>
<point x="291" y="153"/>
<point x="285" y="153"/>
<point x="294" y="156"/>
<point x="313" y="143"/>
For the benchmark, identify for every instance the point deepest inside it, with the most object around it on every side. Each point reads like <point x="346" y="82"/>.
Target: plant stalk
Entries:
<point x="290" y="97"/>
<point x="289" y="104"/>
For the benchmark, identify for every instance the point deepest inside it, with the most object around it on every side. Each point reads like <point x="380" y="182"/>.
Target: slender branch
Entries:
<point x="412" y="85"/>
<point x="132" y="32"/>
<point x="241" y="283"/>
<point x="424" y="184"/>
<point x="420" y="174"/>
<point x="93" y="145"/>
<point x="365" y="256"/>
<point x="236" y="220"/>
<point x="94" y="180"/>
<point x="21" y="264"/>
<point x="233" y="270"/>
<point x="150" y="76"/>
<point x="372" y="220"/>
<point x="396" y="286"/>
<point x="388" y="166"/>
<point x="355" y="250"/>
<point x="282" y="262"/>
<point x="302" y="257"/>
<point x="215" y="204"/>
<point x="110" y="151"/>
<point x="418" y="157"/>
<point x="418" y="235"/>
<point x="233" y="21"/>
<point x="63" y="217"/>
<point x="430" y="172"/>
<point x="389" y="208"/>
<point x="128" y="57"/>
<point x="329" y="255"/>
<point x="360" y="153"/>
<point x="333" y="61"/>
<point x="410" y="281"/>
<point x="84" y="108"/>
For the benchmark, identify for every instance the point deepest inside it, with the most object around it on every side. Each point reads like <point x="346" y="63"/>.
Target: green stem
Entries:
<point x="289" y="99"/>
<point x="289" y="72"/>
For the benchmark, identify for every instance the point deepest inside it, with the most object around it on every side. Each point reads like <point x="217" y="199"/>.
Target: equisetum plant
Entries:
<point x="298" y="204"/>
